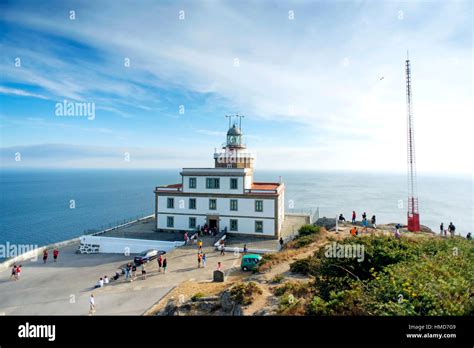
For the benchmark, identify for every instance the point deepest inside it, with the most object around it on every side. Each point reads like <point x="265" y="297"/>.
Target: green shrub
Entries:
<point x="297" y="289"/>
<point x="244" y="293"/>
<point x="278" y="278"/>
<point x="304" y="266"/>
<point x="303" y="241"/>
<point x="423" y="276"/>
<point x="307" y="230"/>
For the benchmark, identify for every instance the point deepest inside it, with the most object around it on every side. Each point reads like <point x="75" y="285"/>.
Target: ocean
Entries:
<point x="46" y="206"/>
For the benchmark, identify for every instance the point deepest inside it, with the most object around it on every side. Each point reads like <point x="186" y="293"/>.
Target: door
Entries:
<point x="212" y="223"/>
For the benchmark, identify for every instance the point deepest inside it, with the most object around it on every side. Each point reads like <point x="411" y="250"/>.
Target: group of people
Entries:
<point x="162" y="263"/>
<point x="16" y="270"/>
<point x="451" y="229"/>
<point x="102" y="282"/>
<point x="365" y="221"/>
<point x="211" y="231"/>
<point x="55" y="255"/>
<point x="201" y="259"/>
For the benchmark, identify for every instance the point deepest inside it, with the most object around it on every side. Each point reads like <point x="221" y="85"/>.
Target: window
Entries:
<point x="234" y="205"/>
<point x="212" y="183"/>
<point x="212" y="204"/>
<point x="258" y="205"/>
<point x="259" y="226"/>
<point x="192" y="222"/>
<point x="192" y="203"/>
<point x="192" y="182"/>
<point x="170" y="204"/>
<point x="234" y="225"/>
<point x="233" y="183"/>
<point x="170" y="221"/>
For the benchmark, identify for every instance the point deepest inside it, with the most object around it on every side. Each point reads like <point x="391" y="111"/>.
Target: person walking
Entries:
<point x="374" y="221"/>
<point x="199" y="260"/>
<point x="130" y="273"/>
<point x="134" y="271"/>
<point x="222" y="247"/>
<point x="18" y="271"/>
<point x="245" y="249"/>
<point x="165" y="264"/>
<point x="127" y="272"/>
<point x="353" y="217"/>
<point x="143" y="271"/>
<point x="397" y="234"/>
<point x="451" y="229"/>
<point x="200" y="245"/>
<point x="186" y="238"/>
<point x="281" y="242"/>
<point x="55" y="254"/>
<point x="45" y="255"/>
<point x="441" y="229"/>
<point x="365" y="224"/>
<point x="398" y="226"/>
<point x="160" y="263"/>
<point x="91" y="304"/>
<point x="364" y="215"/>
<point x="13" y="274"/>
<point x="203" y="260"/>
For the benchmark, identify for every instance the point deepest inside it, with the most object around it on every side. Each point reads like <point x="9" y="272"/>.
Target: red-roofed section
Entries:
<point x="172" y="186"/>
<point x="271" y="186"/>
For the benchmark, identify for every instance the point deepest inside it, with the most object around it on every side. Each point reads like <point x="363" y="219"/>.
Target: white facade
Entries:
<point x="225" y="197"/>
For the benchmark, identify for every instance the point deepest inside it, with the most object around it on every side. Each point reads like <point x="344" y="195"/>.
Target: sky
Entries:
<point x="321" y="83"/>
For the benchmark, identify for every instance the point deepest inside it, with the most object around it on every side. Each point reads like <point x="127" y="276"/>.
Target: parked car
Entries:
<point x="148" y="256"/>
<point x="250" y="262"/>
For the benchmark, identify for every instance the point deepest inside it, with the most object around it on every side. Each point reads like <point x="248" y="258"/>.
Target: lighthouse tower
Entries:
<point x="235" y="153"/>
<point x="224" y="198"/>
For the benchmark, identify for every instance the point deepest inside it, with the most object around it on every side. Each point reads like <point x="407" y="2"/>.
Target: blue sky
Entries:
<point x="321" y="90"/>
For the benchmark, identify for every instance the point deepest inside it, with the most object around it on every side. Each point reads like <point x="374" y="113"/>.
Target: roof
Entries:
<point x="234" y="131"/>
<point x="172" y="186"/>
<point x="265" y="186"/>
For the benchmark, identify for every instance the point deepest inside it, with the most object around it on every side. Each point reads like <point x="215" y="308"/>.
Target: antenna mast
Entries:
<point x="413" y="214"/>
<point x="230" y="118"/>
<point x="240" y="120"/>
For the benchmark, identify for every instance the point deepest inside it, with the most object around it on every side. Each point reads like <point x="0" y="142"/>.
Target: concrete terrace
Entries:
<point x="143" y="229"/>
<point x="48" y="289"/>
<point x="64" y="287"/>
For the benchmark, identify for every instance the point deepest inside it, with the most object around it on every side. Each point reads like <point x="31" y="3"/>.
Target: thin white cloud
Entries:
<point x="21" y="93"/>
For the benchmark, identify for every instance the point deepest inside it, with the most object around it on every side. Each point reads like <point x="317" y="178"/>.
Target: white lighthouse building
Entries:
<point x="225" y="196"/>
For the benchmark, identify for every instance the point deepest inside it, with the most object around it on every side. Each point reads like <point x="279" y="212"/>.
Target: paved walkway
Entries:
<point x="63" y="288"/>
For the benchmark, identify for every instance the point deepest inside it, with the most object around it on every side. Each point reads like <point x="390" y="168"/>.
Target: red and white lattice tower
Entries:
<point x="413" y="214"/>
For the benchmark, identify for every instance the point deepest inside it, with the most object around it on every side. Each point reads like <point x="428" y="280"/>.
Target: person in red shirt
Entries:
<point x="160" y="263"/>
<point x="55" y="254"/>
<point x="18" y="270"/>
